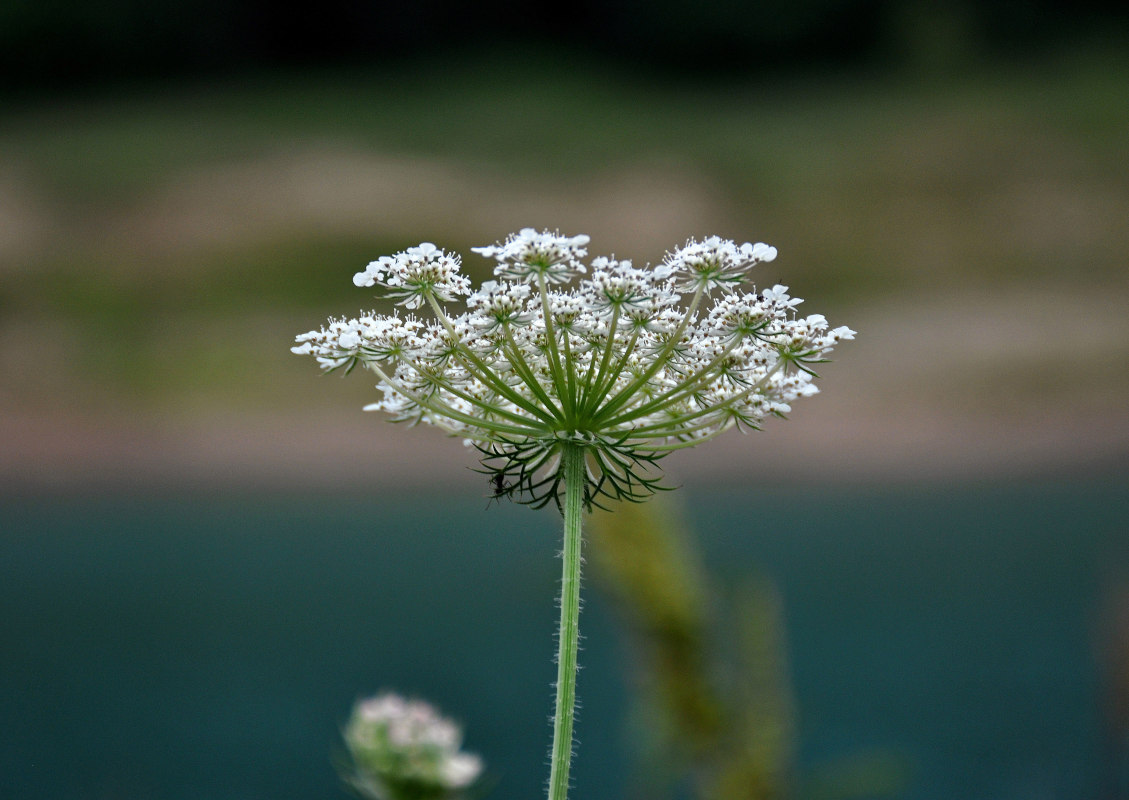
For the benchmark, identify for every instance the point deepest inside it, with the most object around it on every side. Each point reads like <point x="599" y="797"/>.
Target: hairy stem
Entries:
<point x="572" y="464"/>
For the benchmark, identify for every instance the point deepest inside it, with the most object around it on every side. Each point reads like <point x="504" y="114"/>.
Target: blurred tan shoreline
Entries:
<point x="355" y="452"/>
<point x="954" y="388"/>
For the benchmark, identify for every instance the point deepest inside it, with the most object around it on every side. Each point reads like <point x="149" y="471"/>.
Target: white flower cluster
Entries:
<point x="612" y="362"/>
<point x="404" y="748"/>
<point x="416" y="273"/>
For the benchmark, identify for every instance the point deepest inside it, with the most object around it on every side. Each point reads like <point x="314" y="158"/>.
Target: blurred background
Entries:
<point x="209" y="551"/>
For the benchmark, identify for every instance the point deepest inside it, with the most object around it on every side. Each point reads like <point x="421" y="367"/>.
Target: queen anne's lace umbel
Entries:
<point x="603" y="356"/>
<point x="406" y="748"/>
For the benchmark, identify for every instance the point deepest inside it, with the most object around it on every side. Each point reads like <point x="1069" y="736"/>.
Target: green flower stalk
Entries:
<point x="574" y="380"/>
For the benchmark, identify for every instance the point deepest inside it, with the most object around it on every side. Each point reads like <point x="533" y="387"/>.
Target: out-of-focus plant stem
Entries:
<point x="756" y="761"/>
<point x="726" y="726"/>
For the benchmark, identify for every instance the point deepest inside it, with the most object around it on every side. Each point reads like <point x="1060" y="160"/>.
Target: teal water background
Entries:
<point x="210" y="647"/>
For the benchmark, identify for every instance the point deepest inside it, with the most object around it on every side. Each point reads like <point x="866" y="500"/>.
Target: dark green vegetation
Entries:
<point x="45" y="44"/>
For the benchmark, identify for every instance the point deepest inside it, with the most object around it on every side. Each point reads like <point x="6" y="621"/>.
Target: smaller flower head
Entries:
<point x="499" y="305"/>
<point x="528" y="255"/>
<point x="619" y="285"/>
<point x="406" y="749"/>
<point x="713" y="263"/>
<point x="416" y="274"/>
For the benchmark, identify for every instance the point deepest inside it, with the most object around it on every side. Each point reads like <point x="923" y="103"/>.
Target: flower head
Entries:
<point x="714" y="263"/>
<point x="613" y="363"/>
<point x="528" y="256"/>
<point x="416" y="274"/>
<point x="405" y="748"/>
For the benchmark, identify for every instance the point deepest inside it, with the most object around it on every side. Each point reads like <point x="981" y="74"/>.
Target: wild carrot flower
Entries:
<point x="574" y="379"/>
<point x="405" y="750"/>
<point x="603" y="357"/>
